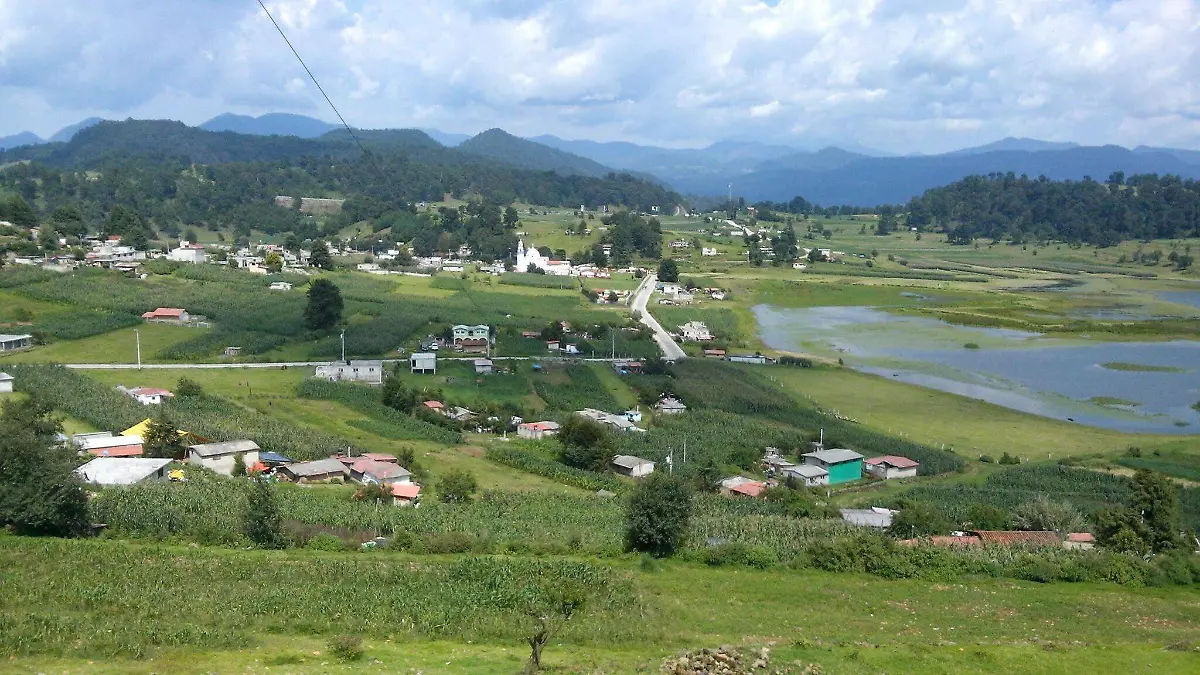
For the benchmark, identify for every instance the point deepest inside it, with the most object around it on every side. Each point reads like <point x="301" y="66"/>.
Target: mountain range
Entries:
<point x="753" y="170"/>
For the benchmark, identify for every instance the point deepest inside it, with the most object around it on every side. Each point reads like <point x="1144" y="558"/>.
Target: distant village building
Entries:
<point x="280" y="286"/>
<point x="105" y="444"/>
<point x="749" y="358"/>
<point x="423" y="363"/>
<point x="112" y="471"/>
<point x="220" y="457"/>
<point x="167" y="315"/>
<point x="368" y="372"/>
<point x="147" y="395"/>
<point x="321" y="470"/>
<point x="483" y="366"/>
<point x="807" y="475"/>
<point x="876" y="517"/>
<point x="536" y="430"/>
<point x="405" y="494"/>
<point x="843" y="465"/>
<point x="695" y="331"/>
<point x="617" y="422"/>
<point x="368" y="471"/>
<point x="6" y="383"/>
<point x="188" y="253"/>
<point x="531" y="257"/>
<point x="670" y="406"/>
<point x="890" y="467"/>
<point x="634" y="467"/>
<point x="11" y="343"/>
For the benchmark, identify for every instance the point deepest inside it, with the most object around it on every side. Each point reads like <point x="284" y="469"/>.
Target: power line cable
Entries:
<point x="319" y="87"/>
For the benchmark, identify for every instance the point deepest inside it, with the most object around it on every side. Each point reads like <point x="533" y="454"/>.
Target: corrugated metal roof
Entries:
<point x="224" y="448"/>
<point x="119" y="470"/>
<point x="834" y="456"/>
<point x="893" y="460"/>
<point x="629" y="461"/>
<point x="318" y="467"/>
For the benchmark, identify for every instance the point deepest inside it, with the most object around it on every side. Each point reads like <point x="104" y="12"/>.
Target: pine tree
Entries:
<point x="325" y="305"/>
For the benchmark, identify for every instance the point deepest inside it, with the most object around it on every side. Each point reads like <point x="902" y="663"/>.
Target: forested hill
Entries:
<point x="1006" y="206"/>
<point x="502" y="146"/>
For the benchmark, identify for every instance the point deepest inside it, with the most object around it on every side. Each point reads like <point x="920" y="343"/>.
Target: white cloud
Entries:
<point x="904" y="75"/>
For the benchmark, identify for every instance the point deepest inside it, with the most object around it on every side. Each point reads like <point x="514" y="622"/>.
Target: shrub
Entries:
<point x="987" y="459"/>
<point x="326" y="542"/>
<point x="658" y="515"/>
<point x="346" y="647"/>
<point x="457" y="487"/>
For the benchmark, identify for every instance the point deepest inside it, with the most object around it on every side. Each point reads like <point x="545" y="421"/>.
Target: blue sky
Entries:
<point x="900" y="75"/>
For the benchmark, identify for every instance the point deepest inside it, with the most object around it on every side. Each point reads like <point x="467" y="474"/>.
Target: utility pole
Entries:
<point x="343" y="345"/>
<point x="138" y="336"/>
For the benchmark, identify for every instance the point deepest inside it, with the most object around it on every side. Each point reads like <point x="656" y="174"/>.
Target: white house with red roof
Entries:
<point x="891" y="466"/>
<point x="405" y="494"/>
<point x="537" y="429"/>
<point x="167" y="315"/>
<point x="147" y="395"/>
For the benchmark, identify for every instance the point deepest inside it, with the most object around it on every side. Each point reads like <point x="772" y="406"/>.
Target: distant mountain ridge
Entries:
<point x="270" y="124"/>
<point x="502" y="146"/>
<point x="20" y="139"/>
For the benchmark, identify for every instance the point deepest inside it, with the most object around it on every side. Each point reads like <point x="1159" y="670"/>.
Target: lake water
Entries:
<point x="1015" y="369"/>
<point x="1191" y="298"/>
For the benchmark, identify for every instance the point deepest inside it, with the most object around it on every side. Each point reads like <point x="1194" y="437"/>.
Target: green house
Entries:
<point x="843" y="465"/>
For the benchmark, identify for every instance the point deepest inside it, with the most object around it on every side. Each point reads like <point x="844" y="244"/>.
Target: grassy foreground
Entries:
<point x="113" y="607"/>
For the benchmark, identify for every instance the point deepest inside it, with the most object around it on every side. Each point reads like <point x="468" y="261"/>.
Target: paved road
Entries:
<point x="670" y="349"/>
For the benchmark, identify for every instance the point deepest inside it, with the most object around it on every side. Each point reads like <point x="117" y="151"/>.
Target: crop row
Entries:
<point x="555" y="471"/>
<point x="396" y="424"/>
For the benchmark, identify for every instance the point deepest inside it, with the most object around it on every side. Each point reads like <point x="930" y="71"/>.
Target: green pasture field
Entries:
<point x="118" y="346"/>
<point x="89" y="617"/>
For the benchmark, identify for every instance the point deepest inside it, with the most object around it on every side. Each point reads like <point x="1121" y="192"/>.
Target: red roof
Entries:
<point x="1011" y="538"/>
<point x="948" y="542"/>
<point x="406" y="490"/>
<point x="751" y="489"/>
<point x="893" y="460"/>
<point x="151" y="391"/>
<point x="379" y="469"/>
<point x="471" y="342"/>
<point x="380" y="457"/>
<point x="174" y="312"/>
<point x="1081" y="537"/>
<point x="434" y="405"/>
<point x="133" y="450"/>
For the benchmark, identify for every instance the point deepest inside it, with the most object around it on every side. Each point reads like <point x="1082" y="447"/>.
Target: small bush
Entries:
<point x="987" y="459"/>
<point x="346" y="647"/>
<point x="449" y="542"/>
<point x="325" y="542"/>
<point x="971" y="345"/>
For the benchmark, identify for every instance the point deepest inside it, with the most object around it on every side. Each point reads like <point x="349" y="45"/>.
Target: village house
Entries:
<point x="551" y="345"/>
<point x="459" y="414"/>
<point x="714" y="353"/>
<point x="146" y="395"/>
<point x="843" y="465"/>
<point x="707" y="252"/>
<point x="890" y="466"/>
<point x="232" y="351"/>
<point x="367" y="471"/>
<point x="405" y="494"/>
<point x="807" y="475"/>
<point x="6" y="383"/>
<point x="634" y="467"/>
<point x="220" y="457"/>
<point x="757" y="359"/>
<point x="483" y="366"/>
<point x="436" y="406"/>
<point x="670" y="406"/>
<point x="280" y="286"/>
<point x="1082" y="541"/>
<point x="11" y="343"/>
<point x="110" y="471"/>
<point x="167" y="315"/>
<point x="634" y="415"/>
<point x="321" y="470"/>
<point x="617" y="422"/>
<point x="464" y="332"/>
<point x="623" y="367"/>
<point x="877" y="517"/>
<point x="369" y="372"/>
<point x="104" y="444"/>
<point x="472" y="346"/>
<point x="695" y="331"/>
<point x="188" y="253"/>
<point x="537" y="430"/>
<point x="423" y="363"/>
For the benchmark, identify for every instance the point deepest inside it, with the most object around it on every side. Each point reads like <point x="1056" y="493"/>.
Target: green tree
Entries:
<point x="658" y="514"/>
<point x="399" y="397"/>
<point x="20" y="212"/>
<point x="887" y="221"/>
<point x="549" y="607"/>
<point x="918" y="519"/>
<point x="325" y="305"/>
<point x="668" y="271"/>
<point x="162" y="438"/>
<point x="188" y="388"/>
<point x="48" y="238"/>
<point x="984" y="517"/>
<point x="262" y="522"/>
<point x="273" y="262"/>
<point x="239" y="466"/>
<point x="190" y="236"/>
<point x="584" y="443"/>
<point x="457" y="487"/>
<point x="39" y="494"/>
<point x="511" y="218"/>
<point x="320" y="257"/>
<point x="1156" y="500"/>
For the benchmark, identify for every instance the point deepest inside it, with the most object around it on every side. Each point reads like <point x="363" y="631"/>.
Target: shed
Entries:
<point x="219" y="457"/>
<point x="274" y="459"/>
<point x="106" y="445"/>
<point x="311" y="472"/>
<point x="843" y="465"/>
<point x="167" y="315"/>
<point x="369" y="372"/>
<point x="634" y="467"/>
<point x="891" y="466"/>
<point x="9" y="343"/>
<point x="107" y="471"/>
<point x="147" y="395"/>
<point x="807" y="474"/>
<point x="750" y="488"/>
<point x="6" y="383"/>
<point x="873" y="517"/>
<point x="670" y="406"/>
<point x="423" y="363"/>
<point x="483" y="366"/>
<point x="405" y="494"/>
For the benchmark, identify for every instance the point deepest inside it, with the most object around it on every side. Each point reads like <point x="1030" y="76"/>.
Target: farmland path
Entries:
<point x="296" y="364"/>
<point x="670" y="349"/>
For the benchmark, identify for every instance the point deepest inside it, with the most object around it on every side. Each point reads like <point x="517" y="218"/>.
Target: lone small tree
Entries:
<point x="320" y="257"/>
<point x="163" y="439"/>
<point x="456" y="487"/>
<point x="325" y="305"/>
<point x="658" y="514"/>
<point x="188" y="388"/>
<point x="550" y="609"/>
<point x="262" y="522"/>
<point x="585" y="444"/>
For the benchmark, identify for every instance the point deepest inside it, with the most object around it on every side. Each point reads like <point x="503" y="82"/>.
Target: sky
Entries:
<point x="897" y="75"/>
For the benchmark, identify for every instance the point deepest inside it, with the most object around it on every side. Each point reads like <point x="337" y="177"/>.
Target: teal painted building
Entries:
<point x="843" y="465"/>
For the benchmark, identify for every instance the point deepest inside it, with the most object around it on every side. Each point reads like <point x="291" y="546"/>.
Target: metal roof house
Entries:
<point x="634" y="467"/>
<point x="808" y="474"/>
<point x="423" y="363"/>
<point x="104" y="444"/>
<point x="843" y="465"/>
<point x="891" y="466"/>
<point x="219" y="457"/>
<point x="872" y="517"/>
<point x="319" y="470"/>
<point x="369" y="372"/>
<point x="107" y="471"/>
<point x="9" y="343"/>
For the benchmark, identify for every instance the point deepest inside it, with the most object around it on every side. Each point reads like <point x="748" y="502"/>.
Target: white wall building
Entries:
<point x="219" y="457"/>
<point x="531" y="256"/>
<point x="188" y="253"/>
<point x="370" y="372"/>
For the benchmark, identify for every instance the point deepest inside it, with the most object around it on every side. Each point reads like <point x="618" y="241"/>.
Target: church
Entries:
<point x="531" y="256"/>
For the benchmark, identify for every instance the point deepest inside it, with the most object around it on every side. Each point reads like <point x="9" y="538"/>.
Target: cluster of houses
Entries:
<point x="821" y="467"/>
